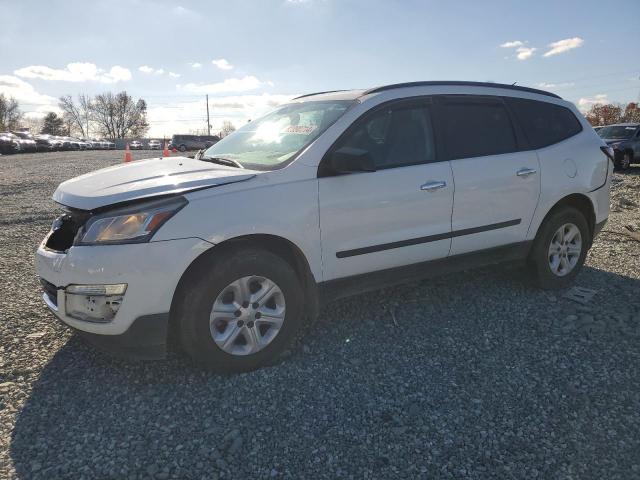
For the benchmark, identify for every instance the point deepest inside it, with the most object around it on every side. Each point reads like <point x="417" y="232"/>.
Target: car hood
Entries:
<point x="144" y="179"/>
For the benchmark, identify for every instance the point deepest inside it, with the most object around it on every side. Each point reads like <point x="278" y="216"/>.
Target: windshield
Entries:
<point x="617" y="131"/>
<point x="273" y="140"/>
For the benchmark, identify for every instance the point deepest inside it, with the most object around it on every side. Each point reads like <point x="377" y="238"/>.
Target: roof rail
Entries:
<point x="318" y="93"/>
<point x="459" y="83"/>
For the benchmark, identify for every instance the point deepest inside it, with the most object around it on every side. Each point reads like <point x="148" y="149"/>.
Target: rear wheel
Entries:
<point x="240" y="310"/>
<point x="559" y="249"/>
<point x="182" y="148"/>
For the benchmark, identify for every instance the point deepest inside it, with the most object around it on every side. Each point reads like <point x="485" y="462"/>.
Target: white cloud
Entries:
<point x="30" y="100"/>
<point x="76" y="72"/>
<point x="514" y="44"/>
<point x="524" y="52"/>
<point x="196" y="65"/>
<point x="585" y="103"/>
<point x="150" y="70"/>
<point x="183" y="117"/>
<point x="174" y="75"/>
<point x="229" y="85"/>
<point x="562" y="46"/>
<point x="555" y="85"/>
<point x="222" y="64"/>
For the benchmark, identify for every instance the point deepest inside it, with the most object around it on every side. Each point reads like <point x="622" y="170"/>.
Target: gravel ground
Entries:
<point x="473" y="375"/>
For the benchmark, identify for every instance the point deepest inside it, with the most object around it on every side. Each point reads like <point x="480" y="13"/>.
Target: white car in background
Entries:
<point x="329" y="195"/>
<point x="154" y="145"/>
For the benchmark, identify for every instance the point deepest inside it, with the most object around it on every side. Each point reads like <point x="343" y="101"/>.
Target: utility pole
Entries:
<point x="208" y="124"/>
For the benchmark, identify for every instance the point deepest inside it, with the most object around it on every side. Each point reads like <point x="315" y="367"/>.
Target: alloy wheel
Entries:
<point x="247" y="315"/>
<point x="565" y="249"/>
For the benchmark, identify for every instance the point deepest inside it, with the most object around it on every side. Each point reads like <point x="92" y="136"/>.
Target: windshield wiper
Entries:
<point x="222" y="161"/>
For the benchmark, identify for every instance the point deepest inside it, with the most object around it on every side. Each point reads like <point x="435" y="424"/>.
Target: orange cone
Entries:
<point x="127" y="154"/>
<point x="165" y="152"/>
<point x="175" y="150"/>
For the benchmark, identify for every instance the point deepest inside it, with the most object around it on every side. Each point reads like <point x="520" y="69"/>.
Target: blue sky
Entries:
<point x="251" y="55"/>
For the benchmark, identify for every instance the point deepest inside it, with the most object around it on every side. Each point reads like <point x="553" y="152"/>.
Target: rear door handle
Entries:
<point x="432" y="186"/>
<point x="525" y="172"/>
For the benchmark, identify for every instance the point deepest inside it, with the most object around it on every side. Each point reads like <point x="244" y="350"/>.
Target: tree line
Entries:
<point x="108" y="115"/>
<point x="610" y="113"/>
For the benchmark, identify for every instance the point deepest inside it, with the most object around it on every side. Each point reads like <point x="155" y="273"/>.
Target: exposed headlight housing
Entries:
<point x="94" y="303"/>
<point x="133" y="224"/>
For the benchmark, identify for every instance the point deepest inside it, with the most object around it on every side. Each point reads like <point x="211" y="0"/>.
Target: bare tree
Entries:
<point x="33" y="124"/>
<point x="10" y="114"/>
<point x="227" y="128"/>
<point x="77" y="114"/>
<point x="119" y="116"/>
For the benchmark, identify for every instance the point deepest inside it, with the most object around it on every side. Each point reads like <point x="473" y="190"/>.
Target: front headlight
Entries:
<point x="133" y="224"/>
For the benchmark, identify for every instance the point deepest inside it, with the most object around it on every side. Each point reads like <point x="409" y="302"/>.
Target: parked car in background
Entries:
<point x="27" y="143"/>
<point x="109" y="144"/>
<point x="154" y="145"/>
<point x="95" y="144"/>
<point x="346" y="192"/>
<point x="8" y="144"/>
<point x="135" y="145"/>
<point x="45" y="143"/>
<point x="192" y="142"/>
<point x="624" y="138"/>
<point x="63" y="142"/>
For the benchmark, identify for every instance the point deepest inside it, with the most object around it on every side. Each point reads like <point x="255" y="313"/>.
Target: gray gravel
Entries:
<point x="473" y="375"/>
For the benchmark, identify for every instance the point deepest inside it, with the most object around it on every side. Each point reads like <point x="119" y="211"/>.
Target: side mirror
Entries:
<point x="347" y="160"/>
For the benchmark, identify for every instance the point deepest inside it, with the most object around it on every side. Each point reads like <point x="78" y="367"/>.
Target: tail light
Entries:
<point x="608" y="151"/>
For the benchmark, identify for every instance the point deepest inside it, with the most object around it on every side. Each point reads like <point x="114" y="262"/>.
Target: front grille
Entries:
<point x="65" y="228"/>
<point x="50" y="290"/>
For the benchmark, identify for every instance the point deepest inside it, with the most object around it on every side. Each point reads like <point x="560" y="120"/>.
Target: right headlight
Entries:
<point x="134" y="224"/>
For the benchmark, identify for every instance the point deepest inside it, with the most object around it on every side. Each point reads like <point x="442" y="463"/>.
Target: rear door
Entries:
<point x="496" y="186"/>
<point x="399" y="214"/>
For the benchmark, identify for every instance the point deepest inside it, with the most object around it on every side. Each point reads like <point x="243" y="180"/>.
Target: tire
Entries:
<point x="623" y="162"/>
<point x="542" y="261"/>
<point x="209" y="283"/>
<point x="182" y="148"/>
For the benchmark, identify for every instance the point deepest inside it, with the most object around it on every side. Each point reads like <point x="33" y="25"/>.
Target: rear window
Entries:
<point x="475" y="128"/>
<point x="545" y="123"/>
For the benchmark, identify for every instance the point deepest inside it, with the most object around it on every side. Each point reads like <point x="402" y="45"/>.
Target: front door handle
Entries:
<point x="525" y="172"/>
<point x="432" y="186"/>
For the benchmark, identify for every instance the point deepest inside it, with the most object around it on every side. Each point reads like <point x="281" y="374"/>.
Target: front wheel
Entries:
<point x="182" y="148"/>
<point x="240" y="310"/>
<point x="559" y="249"/>
<point x="624" y="162"/>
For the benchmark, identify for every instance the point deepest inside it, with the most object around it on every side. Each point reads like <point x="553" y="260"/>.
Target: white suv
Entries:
<point x="329" y="195"/>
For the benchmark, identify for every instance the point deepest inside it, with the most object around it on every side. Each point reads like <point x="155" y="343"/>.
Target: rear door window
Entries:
<point x="475" y="127"/>
<point x="544" y="123"/>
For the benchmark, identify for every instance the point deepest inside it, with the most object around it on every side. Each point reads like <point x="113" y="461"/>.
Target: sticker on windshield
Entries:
<point x="299" y="129"/>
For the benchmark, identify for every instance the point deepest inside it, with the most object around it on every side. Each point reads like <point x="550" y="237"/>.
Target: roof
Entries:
<point x="331" y="95"/>
<point x="354" y="94"/>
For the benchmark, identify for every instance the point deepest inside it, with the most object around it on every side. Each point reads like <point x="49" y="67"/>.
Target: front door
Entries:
<point x="398" y="215"/>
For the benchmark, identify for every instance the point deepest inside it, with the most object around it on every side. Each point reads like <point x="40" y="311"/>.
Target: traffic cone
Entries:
<point x="165" y="152"/>
<point x="127" y="154"/>
<point x="175" y="150"/>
